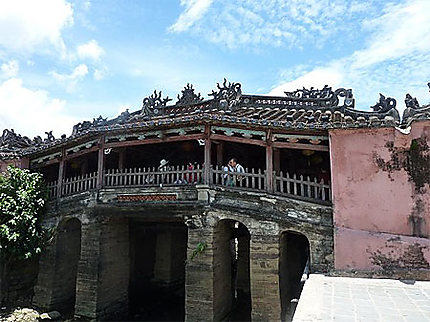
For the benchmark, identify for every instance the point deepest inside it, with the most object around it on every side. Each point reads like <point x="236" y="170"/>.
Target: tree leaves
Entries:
<point x="23" y="198"/>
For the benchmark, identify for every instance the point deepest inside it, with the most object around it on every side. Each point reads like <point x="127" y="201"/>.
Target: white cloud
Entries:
<point x="194" y="11"/>
<point x="402" y="30"/>
<point x="316" y="78"/>
<point x="394" y="61"/>
<point x="100" y="73"/>
<point x="90" y="50"/>
<point x="32" y="112"/>
<point x="27" y="25"/>
<point x="271" y="22"/>
<point x="71" y="80"/>
<point x="10" y="69"/>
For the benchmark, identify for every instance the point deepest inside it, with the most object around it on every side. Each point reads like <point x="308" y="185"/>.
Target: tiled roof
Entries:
<point x="310" y="109"/>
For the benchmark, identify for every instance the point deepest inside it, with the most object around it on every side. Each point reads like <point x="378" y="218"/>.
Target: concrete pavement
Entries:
<point x="359" y="299"/>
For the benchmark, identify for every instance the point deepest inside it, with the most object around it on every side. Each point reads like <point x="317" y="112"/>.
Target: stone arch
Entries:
<point x="231" y="271"/>
<point x="158" y="253"/>
<point x="67" y="255"/>
<point x="294" y="265"/>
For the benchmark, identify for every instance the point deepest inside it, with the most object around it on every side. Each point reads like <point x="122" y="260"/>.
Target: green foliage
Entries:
<point x="200" y="248"/>
<point x="23" y="197"/>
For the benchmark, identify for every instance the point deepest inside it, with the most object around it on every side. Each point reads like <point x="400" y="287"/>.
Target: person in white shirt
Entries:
<point x="163" y="167"/>
<point x="233" y="166"/>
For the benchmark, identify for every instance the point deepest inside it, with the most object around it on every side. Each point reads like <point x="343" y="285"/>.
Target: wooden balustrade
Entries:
<point x="79" y="184"/>
<point x="248" y="180"/>
<point x="52" y="189"/>
<point x="299" y="187"/>
<point x="175" y="175"/>
<point x="303" y="187"/>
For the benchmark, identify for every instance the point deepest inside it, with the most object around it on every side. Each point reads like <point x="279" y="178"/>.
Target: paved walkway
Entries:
<point x="359" y="299"/>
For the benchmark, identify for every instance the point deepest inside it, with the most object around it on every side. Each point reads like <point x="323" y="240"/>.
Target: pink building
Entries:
<point x="381" y="199"/>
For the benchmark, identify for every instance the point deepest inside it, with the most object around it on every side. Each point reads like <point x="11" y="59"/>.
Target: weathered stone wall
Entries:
<point x="114" y="268"/>
<point x="68" y="249"/>
<point x="56" y="282"/>
<point x="222" y="259"/>
<point x="270" y="216"/>
<point x="199" y="282"/>
<point x="266" y="219"/>
<point x="88" y="269"/>
<point x="104" y="264"/>
<point x="17" y="280"/>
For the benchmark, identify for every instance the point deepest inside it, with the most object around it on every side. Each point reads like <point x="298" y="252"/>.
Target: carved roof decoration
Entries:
<point x="188" y="96"/>
<point x="414" y="111"/>
<point x="153" y="105"/>
<point x="227" y="96"/>
<point x="303" y="109"/>
<point x="384" y="105"/>
<point x="13" y="144"/>
<point x="325" y="97"/>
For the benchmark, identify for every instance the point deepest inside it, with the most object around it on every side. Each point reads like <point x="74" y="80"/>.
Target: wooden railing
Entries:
<point x="299" y="187"/>
<point x="248" y="180"/>
<point x="79" y="184"/>
<point x="175" y="175"/>
<point x="303" y="187"/>
<point x="52" y="189"/>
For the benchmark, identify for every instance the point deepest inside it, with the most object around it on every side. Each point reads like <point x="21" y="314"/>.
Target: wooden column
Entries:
<point x="121" y="159"/>
<point x="219" y="153"/>
<point x="61" y="173"/>
<point x="207" y="173"/>
<point x="277" y="160"/>
<point x="101" y="163"/>
<point x="269" y="162"/>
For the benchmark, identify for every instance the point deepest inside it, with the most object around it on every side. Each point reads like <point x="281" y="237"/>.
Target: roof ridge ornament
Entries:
<point x="11" y="141"/>
<point x="384" y="105"/>
<point x="227" y="96"/>
<point x="188" y="96"/>
<point x="326" y="92"/>
<point x="153" y="105"/>
<point x="324" y="97"/>
<point x="413" y="109"/>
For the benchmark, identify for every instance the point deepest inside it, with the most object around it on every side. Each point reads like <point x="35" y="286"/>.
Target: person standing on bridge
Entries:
<point x="232" y="168"/>
<point x="163" y="168"/>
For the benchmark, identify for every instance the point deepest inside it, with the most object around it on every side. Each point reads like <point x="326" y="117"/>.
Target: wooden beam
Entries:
<point x="61" y="172"/>
<point x="121" y="159"/>
<point x="79" y="153"/>
<point x="220" y="153"/>
<point x="155" y="140"/>
<point x="65" y="157"/>
<point x="237" y="139"/>
<point x="101" y="162"/>
<point x="269" y="162"/>
<point x="299" y="146"/>
<point x="45" y="164"/>
<point x="207" y="156"/>
<point x="277" y="160"/>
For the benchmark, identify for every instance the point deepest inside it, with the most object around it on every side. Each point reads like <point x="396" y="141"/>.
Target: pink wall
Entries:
<point x="21" y="163"/>
<point x="381" y="196"/>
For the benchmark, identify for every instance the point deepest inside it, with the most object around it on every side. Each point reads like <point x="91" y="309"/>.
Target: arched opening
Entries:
<point x="68" y="252"/>
<point x="294" y="262"/>
<point x="232" y="291"/>
<point x="158" y="252"/>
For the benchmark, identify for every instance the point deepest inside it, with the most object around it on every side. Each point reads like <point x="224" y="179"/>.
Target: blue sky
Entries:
<point x="62" y="62"/>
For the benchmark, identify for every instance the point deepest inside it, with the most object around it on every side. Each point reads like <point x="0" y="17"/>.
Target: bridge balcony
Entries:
<point x="284" y="184"/>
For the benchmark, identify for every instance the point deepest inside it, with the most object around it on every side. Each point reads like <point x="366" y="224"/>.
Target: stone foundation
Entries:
<point x="232" y="264"/>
